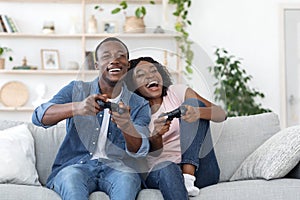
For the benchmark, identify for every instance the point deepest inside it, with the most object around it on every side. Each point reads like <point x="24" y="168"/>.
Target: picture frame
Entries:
<point x="110" y="27"/>
<point x="50" y="59"/>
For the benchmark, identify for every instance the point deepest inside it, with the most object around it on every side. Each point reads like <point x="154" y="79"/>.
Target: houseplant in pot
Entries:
<point x="3" y="52"/>
<point x="134" y="23"/>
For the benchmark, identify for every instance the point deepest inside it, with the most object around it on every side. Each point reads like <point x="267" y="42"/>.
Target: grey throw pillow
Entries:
<point x="273" y="159"/>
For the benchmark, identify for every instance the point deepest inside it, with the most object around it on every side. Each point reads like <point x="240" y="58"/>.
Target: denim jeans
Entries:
<point x="78" y="181"/>
<point x="195" y="139"/>
<point x="167" y="177"/>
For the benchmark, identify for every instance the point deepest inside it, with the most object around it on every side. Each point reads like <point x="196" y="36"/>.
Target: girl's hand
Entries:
<point x="161" y="126"/>
<point x="192" y="114"/>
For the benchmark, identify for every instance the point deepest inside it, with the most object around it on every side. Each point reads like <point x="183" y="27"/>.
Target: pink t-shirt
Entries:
<point x="171" y="139"/>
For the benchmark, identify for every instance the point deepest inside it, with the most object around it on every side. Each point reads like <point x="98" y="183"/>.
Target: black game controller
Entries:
<point x="112" y="106"/>
<point x="178" y="112"/>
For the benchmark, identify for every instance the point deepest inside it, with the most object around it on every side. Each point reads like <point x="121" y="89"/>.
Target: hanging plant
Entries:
<point x="181" y="24"/>
<point x="232" y="88"/>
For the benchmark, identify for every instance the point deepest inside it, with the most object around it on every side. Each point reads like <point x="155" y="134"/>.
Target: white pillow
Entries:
<point x="17" y="156"/>
<point x="274" y="158"/>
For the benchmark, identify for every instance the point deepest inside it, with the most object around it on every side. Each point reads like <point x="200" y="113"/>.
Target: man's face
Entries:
<point x="113" y="61"/>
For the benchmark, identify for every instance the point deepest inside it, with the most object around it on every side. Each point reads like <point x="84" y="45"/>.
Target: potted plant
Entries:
<point x="135" y="23"/>
<point x="3" y="52"/>
<point x="232" y="88"/>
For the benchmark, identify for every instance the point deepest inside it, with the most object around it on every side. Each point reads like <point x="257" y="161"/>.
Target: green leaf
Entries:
<point x="116" y="10"/>
<point x="123" y="4"/>
<point x="138" y="13"/>
<point x="152" y="2"/>
<point x="189" y="69"/>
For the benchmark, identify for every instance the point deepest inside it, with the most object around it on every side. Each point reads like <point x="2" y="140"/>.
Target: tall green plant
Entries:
<point x="232" y="88"/>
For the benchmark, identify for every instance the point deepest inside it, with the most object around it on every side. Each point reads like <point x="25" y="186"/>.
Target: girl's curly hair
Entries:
<point x="166" y="77"/>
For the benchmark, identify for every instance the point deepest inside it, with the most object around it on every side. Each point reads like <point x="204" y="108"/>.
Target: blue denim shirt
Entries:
<point x="83" y="131"/>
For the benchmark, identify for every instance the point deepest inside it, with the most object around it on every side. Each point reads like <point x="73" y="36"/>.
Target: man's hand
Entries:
<point x="122" y="120"/>
<point x="89" y="105"/>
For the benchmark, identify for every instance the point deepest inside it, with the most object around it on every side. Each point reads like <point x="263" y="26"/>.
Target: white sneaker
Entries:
<point x="189" y="185"/>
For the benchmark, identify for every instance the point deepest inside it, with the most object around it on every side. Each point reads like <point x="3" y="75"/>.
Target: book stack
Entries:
<point x="8" y="25"/>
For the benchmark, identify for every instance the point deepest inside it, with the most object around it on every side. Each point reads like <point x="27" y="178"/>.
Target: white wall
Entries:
<point x="249" y="30"/>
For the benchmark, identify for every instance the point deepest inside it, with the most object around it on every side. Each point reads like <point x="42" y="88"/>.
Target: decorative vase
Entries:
<point x="134" y="25"/>
<point x="2" y="63"/>
<point x="92" y="25"/>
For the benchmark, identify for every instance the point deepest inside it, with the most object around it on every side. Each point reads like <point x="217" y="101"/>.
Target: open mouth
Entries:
<point x="114" y="70"/>
<point x="152" y="84"/>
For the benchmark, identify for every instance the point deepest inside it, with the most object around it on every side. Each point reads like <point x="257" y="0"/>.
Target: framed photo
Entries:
<point x="50" y="59"/>
<point x="110" y="26"/>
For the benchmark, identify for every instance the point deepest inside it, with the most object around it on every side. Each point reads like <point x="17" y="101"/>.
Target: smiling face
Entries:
<point x="113" y="61"/>
<point x="148" y="80"/>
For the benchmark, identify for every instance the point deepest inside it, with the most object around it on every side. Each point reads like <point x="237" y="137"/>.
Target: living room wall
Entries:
<point x="248" y="29"/>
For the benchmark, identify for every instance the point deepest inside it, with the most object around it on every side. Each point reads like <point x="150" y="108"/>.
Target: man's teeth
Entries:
<point x="114" y="70"/>
<point x="151" y="84"/>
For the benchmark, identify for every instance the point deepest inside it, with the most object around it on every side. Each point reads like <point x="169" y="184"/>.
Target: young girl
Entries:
<point x="177" y="165"/>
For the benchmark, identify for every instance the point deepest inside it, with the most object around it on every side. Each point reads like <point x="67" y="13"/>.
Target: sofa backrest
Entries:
<point x="237" y="137"/>
<point x="233" y="140"/>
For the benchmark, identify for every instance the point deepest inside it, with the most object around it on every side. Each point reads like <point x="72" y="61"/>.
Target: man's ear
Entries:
<point x="96" y="65"/>
<point x="128" y="65"/>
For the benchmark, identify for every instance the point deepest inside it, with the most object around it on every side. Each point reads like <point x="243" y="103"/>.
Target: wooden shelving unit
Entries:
<point x="55" y="79"/>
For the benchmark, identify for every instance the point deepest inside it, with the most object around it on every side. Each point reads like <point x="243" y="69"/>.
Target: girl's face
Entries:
<point x="148" y="80"/>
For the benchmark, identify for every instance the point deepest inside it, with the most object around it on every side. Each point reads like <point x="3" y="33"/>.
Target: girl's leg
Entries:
<point x="192" y="136"/>
<point x="208" y="171"/>
<point x="167" y="177"/>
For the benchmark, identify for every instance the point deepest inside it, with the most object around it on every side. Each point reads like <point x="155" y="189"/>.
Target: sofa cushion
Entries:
<point x="277" y="189"/>
<point x="17" y="156"/>
<point x="26" y="192"/>
<point x="274" y="159"/>
<point x="47" y="142"/>
<point x="237" y="137"/>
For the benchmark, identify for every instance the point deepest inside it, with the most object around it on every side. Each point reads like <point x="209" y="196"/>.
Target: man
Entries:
<point x="100" y="143"/>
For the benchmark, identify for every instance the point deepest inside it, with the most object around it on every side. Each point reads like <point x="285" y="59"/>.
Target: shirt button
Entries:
<point x="97" y="129"/>
<point x="109" y="133"/>
<point x="94" y="143"/>
<point x="91" y="153"/>
<point x="81" y="162"/>
<point x="100" y="115"/>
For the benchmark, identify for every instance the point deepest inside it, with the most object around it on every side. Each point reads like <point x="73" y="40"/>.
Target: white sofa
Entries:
<point x="235" y="140"/>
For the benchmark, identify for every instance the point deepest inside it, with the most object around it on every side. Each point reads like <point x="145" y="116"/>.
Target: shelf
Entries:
<point x="79" y="1"/>
<point x="79" y="35"/>
<point x="40" y="72"/>
<point x="24" y="109"/>
<point x="40" y="35"/>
